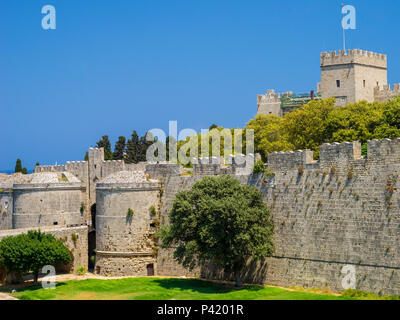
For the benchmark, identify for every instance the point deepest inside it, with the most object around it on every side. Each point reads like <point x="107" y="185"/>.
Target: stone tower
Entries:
<point x="125" y="224"/>
<point x="270" y="103"/>
<point x="96" y="159"/>
<point x="352" y="75"/>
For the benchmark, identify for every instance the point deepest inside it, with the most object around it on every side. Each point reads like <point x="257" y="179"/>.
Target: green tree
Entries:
<point x="133" y="149"/>
<point x="213" y="126"/>
<point x="119" y="150"/>
<point x="354" y="122"/>
<point x="269" y="135"/>
<point x="18" y="166"/>
<point x="306" y="127"/>
<point x="144" y="144"/>
<point x="30" y="252"/>
<point x="390" y="121"/>
<point x="106" y="144"/>
<point x="24" y="171"/>
<point x="86" y="156"/>
<point x="219" y="221"/>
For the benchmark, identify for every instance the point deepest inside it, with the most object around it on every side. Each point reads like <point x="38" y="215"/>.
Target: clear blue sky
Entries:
<point x="114" y="66"/>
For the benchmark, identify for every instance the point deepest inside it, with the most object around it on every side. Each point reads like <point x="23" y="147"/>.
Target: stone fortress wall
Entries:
<point x="341" y="210"/>
<point x="385" y="93"/>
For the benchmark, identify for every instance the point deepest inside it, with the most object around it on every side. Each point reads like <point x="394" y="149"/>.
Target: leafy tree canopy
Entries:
<point x="319" y="122"/>
<point x="219" y="221"/>
<point x="31" y="252"/>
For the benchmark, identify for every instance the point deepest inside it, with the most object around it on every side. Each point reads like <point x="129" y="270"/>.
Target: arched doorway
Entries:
<point x="92" y="239"/>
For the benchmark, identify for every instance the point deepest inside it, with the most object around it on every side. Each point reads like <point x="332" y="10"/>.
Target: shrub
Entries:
<point x="268" y="173"/>
<point x="300" y="169"/>
<point x="31" y="252"/>
<point x="259" y="167"/>
<point x="333" y="170"/>
<point x="153" y="211"/>
<point x="130" y="213"/>
<point x="81" y="270"/>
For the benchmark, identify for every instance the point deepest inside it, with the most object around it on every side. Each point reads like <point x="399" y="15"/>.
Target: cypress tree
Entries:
<point x="144" y="145"/>
<point x="106" y="144"/>
<point x="119" y="150"/>
<point x="18" y="166"/>
<point x="133" y="149"/>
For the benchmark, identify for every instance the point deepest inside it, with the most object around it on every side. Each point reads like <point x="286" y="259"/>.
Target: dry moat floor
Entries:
<point x="90" y="288"/>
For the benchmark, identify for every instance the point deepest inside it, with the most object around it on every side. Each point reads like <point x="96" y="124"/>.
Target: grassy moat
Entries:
<point x="167" y="289"/>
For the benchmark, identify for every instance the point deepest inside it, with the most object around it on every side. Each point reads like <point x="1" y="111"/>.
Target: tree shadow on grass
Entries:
<point x="201" y="286"/>
<point x="255" y="272"/>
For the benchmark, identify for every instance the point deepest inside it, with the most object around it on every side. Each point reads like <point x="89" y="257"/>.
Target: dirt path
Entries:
<point x="4" y="296"/>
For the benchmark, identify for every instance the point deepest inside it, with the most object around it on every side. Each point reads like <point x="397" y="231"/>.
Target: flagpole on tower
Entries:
<point x="344" y="32"/>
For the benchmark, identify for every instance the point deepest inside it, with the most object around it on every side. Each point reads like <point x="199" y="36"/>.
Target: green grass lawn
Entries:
<point x="163" y="289"/>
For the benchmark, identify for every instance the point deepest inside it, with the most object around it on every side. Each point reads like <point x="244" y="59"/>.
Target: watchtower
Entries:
<point x="351" y="76"/>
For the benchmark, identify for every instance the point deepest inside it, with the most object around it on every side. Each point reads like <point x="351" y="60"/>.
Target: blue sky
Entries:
<point x="114" y="66"/>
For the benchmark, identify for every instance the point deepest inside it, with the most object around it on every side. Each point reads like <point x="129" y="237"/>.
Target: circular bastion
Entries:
<point x="126" y="221"/>
<point x="48" y="199"/>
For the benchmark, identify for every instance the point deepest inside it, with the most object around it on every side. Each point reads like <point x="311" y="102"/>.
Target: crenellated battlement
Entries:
<point x="269" y="97"/>
<point x="384" y="151"/>
<point x="339" y="153"/>
<point x="355" y="56"/>
<point x="290" y="159"/>
<point x="50" y="168"/>
<point x="269" y="103"/>
<point x="162" y="170"/>
<point x="206" y="166"/>
<point x="242" y="164"/>
<point x="385" y="93"/>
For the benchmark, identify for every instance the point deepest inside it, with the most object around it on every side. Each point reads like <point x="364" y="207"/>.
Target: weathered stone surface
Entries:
<point x="125" y="224"/>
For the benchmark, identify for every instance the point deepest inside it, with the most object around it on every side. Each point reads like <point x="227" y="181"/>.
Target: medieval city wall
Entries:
<point x="341" y="210"/>
<point x="385" y="93"/>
